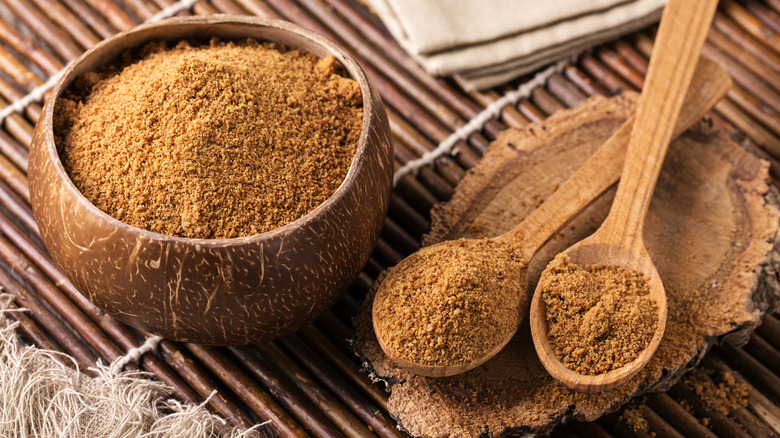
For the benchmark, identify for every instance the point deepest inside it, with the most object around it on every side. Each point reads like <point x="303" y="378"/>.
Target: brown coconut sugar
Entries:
<point x="632" y="415"/>
<point x="220" y="140"/>
<point x="455" y="303"/>
<point x="718" y="390"/>
<point x="599" y="318"/>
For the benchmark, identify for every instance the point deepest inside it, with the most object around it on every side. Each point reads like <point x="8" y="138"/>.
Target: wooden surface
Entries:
<point x="309" y="382"/>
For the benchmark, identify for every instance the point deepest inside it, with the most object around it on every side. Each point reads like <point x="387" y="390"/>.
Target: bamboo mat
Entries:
<point x="309" y="383"/>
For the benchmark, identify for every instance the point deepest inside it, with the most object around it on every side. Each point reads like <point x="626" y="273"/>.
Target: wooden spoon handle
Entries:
<point x="603" y="169"/>
<point x="681" y="34"/>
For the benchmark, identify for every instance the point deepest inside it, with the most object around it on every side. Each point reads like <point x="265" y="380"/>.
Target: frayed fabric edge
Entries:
<point x="41" y="395"/>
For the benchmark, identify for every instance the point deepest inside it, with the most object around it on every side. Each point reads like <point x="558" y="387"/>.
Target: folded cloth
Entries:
<point x="485" y="43"/>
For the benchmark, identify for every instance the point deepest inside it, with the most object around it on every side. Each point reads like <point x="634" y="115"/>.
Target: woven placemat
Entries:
<point x="309" y="383"/>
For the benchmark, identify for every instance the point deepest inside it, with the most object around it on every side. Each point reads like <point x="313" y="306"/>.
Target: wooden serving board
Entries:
<point x="711" y="230"/>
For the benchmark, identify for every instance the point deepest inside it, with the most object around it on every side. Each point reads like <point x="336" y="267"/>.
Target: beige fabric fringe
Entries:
<point x="42" y="397"/>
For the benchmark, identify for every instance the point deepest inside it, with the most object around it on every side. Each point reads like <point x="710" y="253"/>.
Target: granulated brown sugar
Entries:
<point x="631" y="414"/>
<point x="218" y="141"/>
<point x="599" y="318"/>
<point x="719" y="391"/>
<point x="453" y="303"/>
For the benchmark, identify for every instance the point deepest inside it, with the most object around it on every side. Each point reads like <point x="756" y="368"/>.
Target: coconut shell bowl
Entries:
<point x="215" y="291"/>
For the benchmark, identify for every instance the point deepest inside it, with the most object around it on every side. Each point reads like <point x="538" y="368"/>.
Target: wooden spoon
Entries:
<point x="600" y="172"/>
<point x="618" y="242"/>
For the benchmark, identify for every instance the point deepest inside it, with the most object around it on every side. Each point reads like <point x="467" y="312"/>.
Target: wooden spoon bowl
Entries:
<point x="495" y="273"/>
<point x="619" y="241"/>
<point x="215" y="291"/>
<point x="608" y="255"/>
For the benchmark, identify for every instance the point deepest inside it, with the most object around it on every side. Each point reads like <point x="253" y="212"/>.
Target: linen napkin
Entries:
<point x="483" y="43"/>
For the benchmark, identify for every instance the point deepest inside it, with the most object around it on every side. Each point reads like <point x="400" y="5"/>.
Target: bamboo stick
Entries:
<point x="17" y="71"/>
<point x="411" y="144"/>
<point x="612" y="59"/>
<point x="362" y="407"/>
<point x="747" y="42"/>
<point x="751" y="424"/>
<point x="747" y="79"/>
<point x="774" y="4"/>
<point x="764" y="352"/>
<point x="417" y="194"/>
<point x="509" y="115"/>
<point x="33" y="51"/>
<point x="259" y="8"/>
<point x="27" y="327"/>
<point x="48" y="31"/>
<point x="727" y="47"/>
<point x="70" y="342"/>
<point x="15" y="178"/>
<point x="400" y="210"/>
<point x="113" y="13"/>
<point x="618" y="428"/>
<point x="438" y="186"/>
<point x="144" y="10"/>
<point x="10" y="147"/>
<point x="203" y="384"/>
<point x="386" y="254"/>
<point x="288" y="396"/>
<point x="22" y="132"/>
<point x="373" y="267"/>
<point x="96" y="22"/>
<point x="546" y="102"/>
<point x="585" y="83"/>
<point x="658" y="425"/>
<point x="342" y="335"/>
<point x="22" y="266"/>
<point x="339" y="415"/>
<point x="590" y="430"/>
<point x="531" y="111"/>
<point x="747" y="125"/>
<point x="763" y="13"/>
<point x="759" y="404"/>
<point x="61" y="16"/>
<point x="753" y="370"/>
<point x="398" y="237"/>
<point x="609" y="81"/>
<point x="566" y="91"/>
<point x="750" y="23"/>
<point x="768" y="117"/>
<point x="347" y="367"/>
<point x="359" y="288"/>
<point x="350" y="303"/>
<point x="719" y="423"/>
<point x="450" y="171"/>
<point x="770" y="330"/>
<point x="256" y="398"/>
<point x="634" y="57"/>
<point x="678" y="417"/>
<point x="743" y="417"/>
<point x="11" y="93"/>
